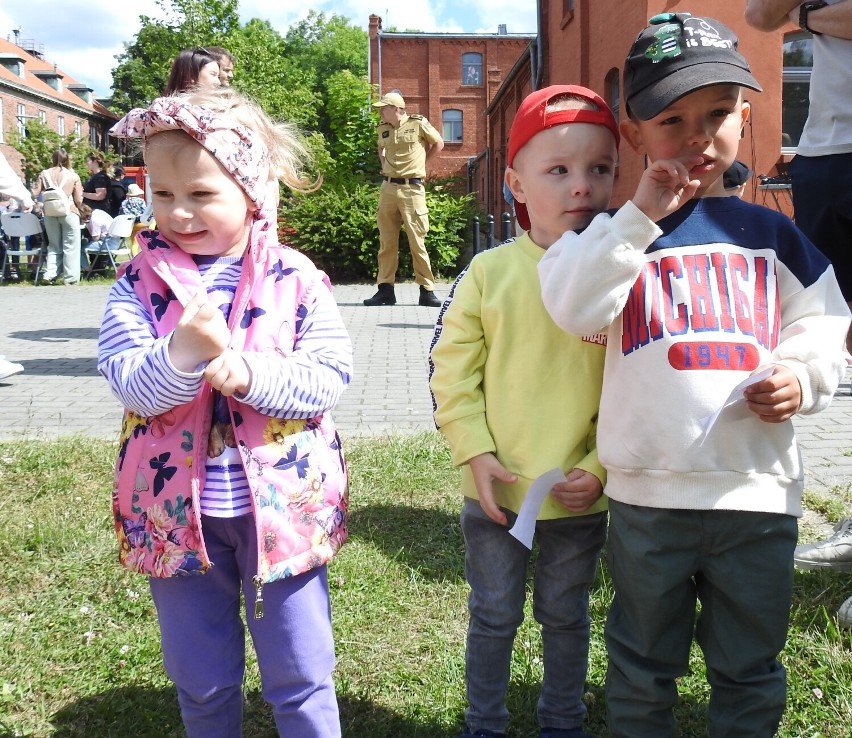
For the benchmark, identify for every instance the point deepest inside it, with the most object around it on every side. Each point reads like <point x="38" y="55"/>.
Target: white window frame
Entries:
<point x="21" y="119"/>
<point x="449" y="124"/>
<point x="471" y="59"/>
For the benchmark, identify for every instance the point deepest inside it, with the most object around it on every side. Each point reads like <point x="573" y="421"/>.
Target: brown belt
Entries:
<point x="400" y="180"/>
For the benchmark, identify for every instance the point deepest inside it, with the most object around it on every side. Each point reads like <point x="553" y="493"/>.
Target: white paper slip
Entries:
<point x="524" y="527"/>
<point x="735" y="396"/>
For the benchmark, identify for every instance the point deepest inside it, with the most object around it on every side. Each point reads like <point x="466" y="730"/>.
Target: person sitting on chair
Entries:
<point x="97" y="223"/>
<point x="134" y="204"/>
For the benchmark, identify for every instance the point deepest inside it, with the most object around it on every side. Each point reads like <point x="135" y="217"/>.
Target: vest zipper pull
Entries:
<point x="258" y="600"/>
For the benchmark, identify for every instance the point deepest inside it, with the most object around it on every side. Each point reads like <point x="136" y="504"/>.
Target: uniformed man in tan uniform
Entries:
<point x="406" y="143"/>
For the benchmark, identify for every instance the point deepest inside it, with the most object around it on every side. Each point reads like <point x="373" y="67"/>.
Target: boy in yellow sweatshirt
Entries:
<point x="516" y="397"/>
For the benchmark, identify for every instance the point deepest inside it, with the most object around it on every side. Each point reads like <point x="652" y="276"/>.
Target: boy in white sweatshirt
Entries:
<point x="718" y="291"/>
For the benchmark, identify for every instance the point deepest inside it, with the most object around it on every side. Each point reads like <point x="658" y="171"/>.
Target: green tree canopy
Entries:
<point x="287" y="75"/>
<point x="143" y="67"/>
<point x="38" y="144"/>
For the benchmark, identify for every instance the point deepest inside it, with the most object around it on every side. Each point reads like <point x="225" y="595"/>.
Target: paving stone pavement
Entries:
<point x="53" y="332"/>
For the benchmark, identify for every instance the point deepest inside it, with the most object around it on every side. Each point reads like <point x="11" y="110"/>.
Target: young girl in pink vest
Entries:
<point x="228" y="353"/>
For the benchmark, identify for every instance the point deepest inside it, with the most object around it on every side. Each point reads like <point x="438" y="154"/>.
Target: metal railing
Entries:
<point x="478" y="232"/>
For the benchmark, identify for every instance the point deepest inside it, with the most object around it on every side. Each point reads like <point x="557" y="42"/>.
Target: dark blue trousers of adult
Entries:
<point x="822" y="198"/>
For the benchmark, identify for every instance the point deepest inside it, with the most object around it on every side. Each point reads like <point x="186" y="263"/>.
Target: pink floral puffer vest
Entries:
<point x="295" y="468"/>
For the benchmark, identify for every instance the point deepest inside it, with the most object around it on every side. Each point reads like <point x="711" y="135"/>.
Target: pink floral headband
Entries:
<point x="236" y="147"/>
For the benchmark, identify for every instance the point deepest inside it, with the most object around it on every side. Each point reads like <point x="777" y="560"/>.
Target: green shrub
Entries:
<point x="336" y="227"/>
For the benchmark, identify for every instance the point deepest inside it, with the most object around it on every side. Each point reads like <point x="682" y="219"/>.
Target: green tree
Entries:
<point x="326" y="45"/>
<point x="313" y="76"/>
<point x="336" y="226"/>
<point x="37" y="147"/>
<point x="286" y="75"/>
<point x="352" y="129"/>
<point x="143" y="67"/>
<point x="284" y="87"/>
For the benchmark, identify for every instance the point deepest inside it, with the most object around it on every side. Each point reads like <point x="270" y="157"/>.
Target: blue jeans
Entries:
<point x="203" y="640"/>
<point x="495" y="567"/>
<point x="739" y="565"/>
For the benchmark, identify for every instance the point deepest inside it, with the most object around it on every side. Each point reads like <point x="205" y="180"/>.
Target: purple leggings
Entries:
<point x="203" y="640"/>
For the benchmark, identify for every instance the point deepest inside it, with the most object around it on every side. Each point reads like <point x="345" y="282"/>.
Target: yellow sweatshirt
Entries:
<point x="505" y="379"/>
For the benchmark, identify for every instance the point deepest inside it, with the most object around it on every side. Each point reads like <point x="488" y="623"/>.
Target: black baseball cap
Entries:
<point x="679" y="53"/>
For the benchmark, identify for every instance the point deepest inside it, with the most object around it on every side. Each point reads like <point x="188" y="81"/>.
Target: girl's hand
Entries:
<point x="485" y="469"/>
<point x="580" y="491"/>
<point x="776" y="398"/>
<point x="229" y="374"/>
<point x="665" y="186"/>
<point x="201" y="334"/>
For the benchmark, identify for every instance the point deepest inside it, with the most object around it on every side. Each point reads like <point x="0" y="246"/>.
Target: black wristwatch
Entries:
<point x="806" y="8"/>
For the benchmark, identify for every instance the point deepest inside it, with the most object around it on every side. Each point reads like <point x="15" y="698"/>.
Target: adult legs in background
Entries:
<point x="822" y="198"/>
<point x="834" y="553"/>
<point x="54" y="262"/>
<point x="415" y="218"/>
<point x="70" y="226"/>
<point x="389" y="220"/>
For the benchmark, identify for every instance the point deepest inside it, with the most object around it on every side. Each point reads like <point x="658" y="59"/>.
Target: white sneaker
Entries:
<point x="832" y="553"/>
<point x="844" y="614"/>
<point x="8" y="368"/>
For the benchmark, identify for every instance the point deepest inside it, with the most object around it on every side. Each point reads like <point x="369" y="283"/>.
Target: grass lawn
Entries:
<point x="79" y="648"/>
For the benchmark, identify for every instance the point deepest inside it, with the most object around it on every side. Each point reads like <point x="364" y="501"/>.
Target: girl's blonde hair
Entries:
<point x="288" y="156"/>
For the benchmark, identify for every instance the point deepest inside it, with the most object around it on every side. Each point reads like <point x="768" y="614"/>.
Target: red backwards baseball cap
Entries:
<point x="533" y="117"/>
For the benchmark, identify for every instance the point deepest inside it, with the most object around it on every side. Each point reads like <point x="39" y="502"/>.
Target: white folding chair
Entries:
<point x="113" y="247"/>
<point x="21" y="225"/>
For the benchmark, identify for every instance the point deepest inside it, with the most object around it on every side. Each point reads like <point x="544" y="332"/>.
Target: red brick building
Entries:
<point x="450" y="78"/>
<point x="579" y="42"/>
<point x="31" y="87"/>
<point x="585" y="42"/>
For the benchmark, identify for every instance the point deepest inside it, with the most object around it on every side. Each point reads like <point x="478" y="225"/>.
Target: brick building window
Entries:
<point x="21" y="119"/>
<point x="452" y="125"/>
<point x="612" y="92"/>
<point x="42" y="117"/>
<point x="795" y="87"/>
<point x="471" y="69"/>
<point x="60" y="125"/>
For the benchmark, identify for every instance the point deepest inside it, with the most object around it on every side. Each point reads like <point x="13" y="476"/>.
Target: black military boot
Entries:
<point x="429" y="298"/>
<point x="384" y="296"/>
